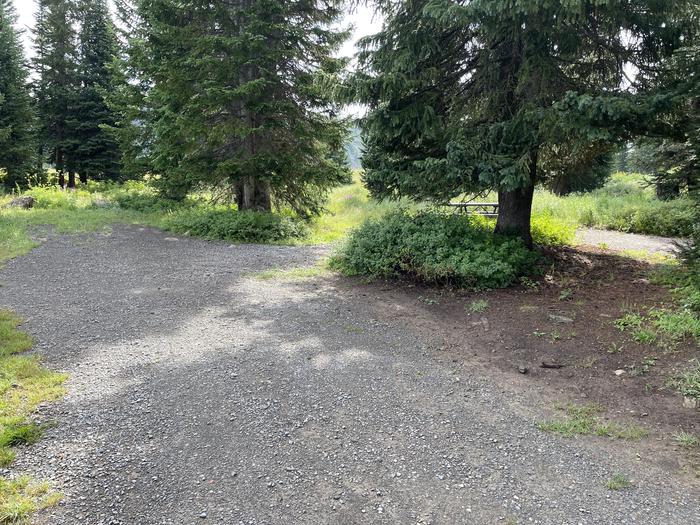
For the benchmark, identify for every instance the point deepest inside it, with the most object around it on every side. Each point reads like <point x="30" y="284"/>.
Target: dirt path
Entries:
<point x="199" y="394"/>
<point x="619" y="241"/>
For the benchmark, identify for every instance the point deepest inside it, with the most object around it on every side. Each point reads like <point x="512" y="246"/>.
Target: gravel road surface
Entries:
<point x="201" y="395"/>
<point x="628" y="241"/>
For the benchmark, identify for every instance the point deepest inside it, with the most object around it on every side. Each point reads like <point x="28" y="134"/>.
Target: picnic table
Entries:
<point x="486" y="209"/>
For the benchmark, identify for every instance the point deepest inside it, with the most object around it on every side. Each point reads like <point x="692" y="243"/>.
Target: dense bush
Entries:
<point x="224" y="223"/>
<point x="435" y="248"/>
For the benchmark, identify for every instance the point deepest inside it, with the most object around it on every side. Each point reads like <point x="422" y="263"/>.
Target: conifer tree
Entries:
<point x="96" y="151"/>
<point x="484" y="94"/>
<point x="16" y="117"/>
<point x="56" y="87"/>
<point x="234" y="96"/>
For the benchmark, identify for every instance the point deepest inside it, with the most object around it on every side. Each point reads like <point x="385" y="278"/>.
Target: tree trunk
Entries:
<point x="61" y="180"/>
<point x="71" y="180"/>
<point x="83" y="177"/>
<point x="515" y="208"/>
<point x="253" y="195"/>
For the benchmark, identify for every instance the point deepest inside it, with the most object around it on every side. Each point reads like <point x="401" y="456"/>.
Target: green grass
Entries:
<point x="24" y="384"/>
<point x="687" y="382"/>
<point x="21" y="497"/>
<point x="291" y="274"/>
<point x="478" y="306"/>
<point x="625" y="204"/>
<point x="618" y="482"/>
<point x="686" y="440"/>
<point x="584" y="420"/>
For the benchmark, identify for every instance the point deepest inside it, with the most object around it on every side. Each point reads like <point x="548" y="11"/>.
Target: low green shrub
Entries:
<point x="225" y="223"/>
<point x="435" y="248"/>
<point x="142" y="197"/>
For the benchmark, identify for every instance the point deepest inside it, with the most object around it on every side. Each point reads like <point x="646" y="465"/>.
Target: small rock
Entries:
<point x="620" y="372"/>
<point x="690" y="402"/>
<point x="560" y="319"/>
<point x="522" y="369"/>
<point x="203" y="515"/>
<point x="25" y="202"/>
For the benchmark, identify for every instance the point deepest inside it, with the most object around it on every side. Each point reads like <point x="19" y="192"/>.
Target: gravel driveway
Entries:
<point x="199" y="394"/>
<point x="628" y="241"/>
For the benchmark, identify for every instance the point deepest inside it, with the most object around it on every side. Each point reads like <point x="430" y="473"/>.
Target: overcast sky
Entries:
<point x="362" y="18"/>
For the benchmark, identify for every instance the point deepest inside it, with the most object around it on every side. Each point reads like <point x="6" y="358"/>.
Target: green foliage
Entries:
<point x="235" y="95"/>
<point x="618" y="482"/>
<point x="584" y="420"/>
<point x="96" y="151"/>
<point x="56" y="88"/>
<point x="466" y="96"/>
<point x="625" y="204"/>
<point x="24" y="384"/>
<point x="688" y="382"/>
<point x="21" y="497"/>
<point x="228" y="224"/>
<point x="478" y="306"/>
<point x="435" y="248"/>
<point x="631" y="320"/>
<point x="16" y="115"/>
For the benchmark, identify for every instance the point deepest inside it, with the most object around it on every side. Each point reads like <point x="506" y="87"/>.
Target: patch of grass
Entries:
<point x="618" y="482"/>
<point x="291" y="274"/>
<point x="687" y="383"/>
<point x="677" y="324"/>
<point x="478" y="306"/>
<point x="585" y="420"/>
<point x="625" y="204"/>
<point x="631" y="320"/>
<point x="24" y="384"/>
<point x="686" y="439"/>
<point x="643" y="336"/>
<point x="21" y="497"/>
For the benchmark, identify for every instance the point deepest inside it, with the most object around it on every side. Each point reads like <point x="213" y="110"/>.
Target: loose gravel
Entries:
<point x="620" y="241"/>
<point x="198" y="394"/>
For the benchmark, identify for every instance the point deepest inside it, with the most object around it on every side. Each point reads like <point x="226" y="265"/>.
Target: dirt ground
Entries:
<point x="555" y="341"/>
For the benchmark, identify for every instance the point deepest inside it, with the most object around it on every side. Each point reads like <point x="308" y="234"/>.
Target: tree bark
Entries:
<point x="71" y="180"/>
<point x="61" y="180"/>
<point x="253" y="195"/>
<point x="515" y="208"/>
<point x="83" y="177"/>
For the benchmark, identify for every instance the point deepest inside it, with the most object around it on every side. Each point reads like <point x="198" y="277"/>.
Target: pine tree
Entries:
<point x="485" y="94"/>
<point x="234" y="96"/>
<point x="96" y="151"/>
<point x="16" y="116"/>
<point x="57" y="85"/>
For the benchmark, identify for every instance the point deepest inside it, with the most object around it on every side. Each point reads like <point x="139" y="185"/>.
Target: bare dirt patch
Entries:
<point x="554" y="341"/>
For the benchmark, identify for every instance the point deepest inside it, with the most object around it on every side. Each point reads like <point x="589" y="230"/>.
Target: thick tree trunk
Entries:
<point x="61" y="180"/>
<point x="83" y="177"/>
<point x="515" y="208"/>
<point x="71" y="180"/>
<point x="253" y="195"/>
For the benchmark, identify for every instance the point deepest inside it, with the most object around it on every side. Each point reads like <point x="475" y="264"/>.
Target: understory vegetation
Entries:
<point x="24" y="384"/>
<point x="441" y="248"/>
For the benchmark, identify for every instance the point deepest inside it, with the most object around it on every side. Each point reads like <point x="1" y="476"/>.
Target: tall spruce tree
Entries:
<point x="16" y="116"/>
<point x="469" y="95"/>
<point x="234" y="96"/>
<point x="56" y="88"/>
<point x="96" y="151"/>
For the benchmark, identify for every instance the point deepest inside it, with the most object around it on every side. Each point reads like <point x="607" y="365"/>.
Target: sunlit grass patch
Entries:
<point x="584" y="420"/>
<point x="290" y="274"/>
<point x="24" y="384"/>
<point x="21" y="497"/>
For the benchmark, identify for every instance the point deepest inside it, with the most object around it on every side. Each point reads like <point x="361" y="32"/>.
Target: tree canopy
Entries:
<point x="16" y="115"/>
<point x="235" y="97"/>
<point x="482" y="94"/>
